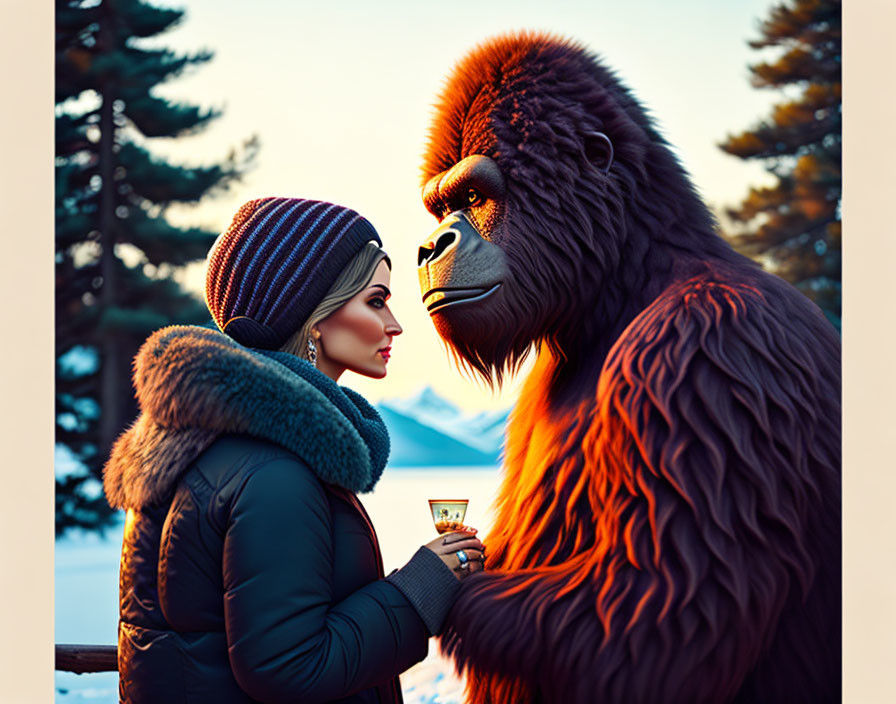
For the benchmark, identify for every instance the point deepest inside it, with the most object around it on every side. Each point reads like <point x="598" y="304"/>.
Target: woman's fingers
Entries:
<point x="449" y="548"/>
<point x="468" y="561"/>
<point x="457" y="536"/>
<point x="465" y="544"/>
<point x="475" y="566"/>
<point x="452" y="542"/>
<point x="469" y="555"/>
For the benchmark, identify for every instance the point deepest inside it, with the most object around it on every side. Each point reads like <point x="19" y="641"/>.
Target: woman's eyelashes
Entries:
<point x="377" y="302"/>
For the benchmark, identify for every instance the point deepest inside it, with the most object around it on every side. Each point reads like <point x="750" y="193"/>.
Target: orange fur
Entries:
<point x="668" y="526"/>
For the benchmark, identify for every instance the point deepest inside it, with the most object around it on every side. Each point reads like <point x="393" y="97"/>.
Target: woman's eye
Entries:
<point x="377" y="302"/>
<point x="474" y="197"/>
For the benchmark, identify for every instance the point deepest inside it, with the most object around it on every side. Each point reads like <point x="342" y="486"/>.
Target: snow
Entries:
<point x="87" y="576"/>
<point x="79" y="360"/>
<point x="66" y="462"/>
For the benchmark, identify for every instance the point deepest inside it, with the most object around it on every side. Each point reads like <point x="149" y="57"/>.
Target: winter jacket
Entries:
<point x="249" y="570"/>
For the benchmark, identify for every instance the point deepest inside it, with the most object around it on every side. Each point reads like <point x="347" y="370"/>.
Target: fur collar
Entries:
<point x="194" y="384"/>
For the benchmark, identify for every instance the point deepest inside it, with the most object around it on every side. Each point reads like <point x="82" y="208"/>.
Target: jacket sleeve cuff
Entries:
<point x="429" y="585"/>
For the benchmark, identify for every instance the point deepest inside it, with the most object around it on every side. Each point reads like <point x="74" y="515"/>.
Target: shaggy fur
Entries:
<point x="194" y="384"/>
<point x="668" y="528"/>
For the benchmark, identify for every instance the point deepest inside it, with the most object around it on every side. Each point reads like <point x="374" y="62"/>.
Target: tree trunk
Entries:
<point x="110" y="384"/>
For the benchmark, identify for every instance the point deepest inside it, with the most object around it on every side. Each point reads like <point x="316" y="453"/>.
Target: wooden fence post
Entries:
<point x="87" y="658"/>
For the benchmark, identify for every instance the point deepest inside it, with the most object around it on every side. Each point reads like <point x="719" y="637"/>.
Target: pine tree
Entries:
<point x="115" y="249"/>
<point x="793" y="226"/>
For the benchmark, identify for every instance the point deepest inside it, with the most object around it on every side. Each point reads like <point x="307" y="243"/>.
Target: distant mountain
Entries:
<point x="428" y="430"/>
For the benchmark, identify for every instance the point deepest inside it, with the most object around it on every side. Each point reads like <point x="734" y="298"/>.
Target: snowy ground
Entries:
<point x="87" y="577"/>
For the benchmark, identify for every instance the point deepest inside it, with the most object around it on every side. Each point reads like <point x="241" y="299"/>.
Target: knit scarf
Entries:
<point x="194" y="384"/>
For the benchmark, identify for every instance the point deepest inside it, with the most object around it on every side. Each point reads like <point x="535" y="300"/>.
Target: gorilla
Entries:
<point x="668" y="524"/>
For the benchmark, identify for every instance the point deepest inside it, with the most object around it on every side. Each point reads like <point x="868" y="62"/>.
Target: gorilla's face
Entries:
<point x="500" y="272"/>
<point x="465" y="277"/>
<point x="459" y="263"/>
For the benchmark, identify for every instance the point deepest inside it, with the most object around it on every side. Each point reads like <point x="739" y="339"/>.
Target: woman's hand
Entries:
<point x="446" y="546"/>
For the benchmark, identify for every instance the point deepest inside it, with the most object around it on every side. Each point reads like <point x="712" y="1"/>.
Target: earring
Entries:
<point x="312" y="351"/>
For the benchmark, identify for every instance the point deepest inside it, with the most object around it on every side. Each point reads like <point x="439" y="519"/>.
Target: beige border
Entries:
<point x="869" y="381"/>
<point x="26" y="513"/>
<point x="26" y="289"/>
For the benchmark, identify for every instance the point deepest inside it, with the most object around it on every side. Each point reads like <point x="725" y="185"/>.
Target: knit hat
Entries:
<point x="280" y="256"/>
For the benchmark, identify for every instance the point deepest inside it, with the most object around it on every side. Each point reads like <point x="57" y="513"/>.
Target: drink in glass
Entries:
<point x="448" y="514"/>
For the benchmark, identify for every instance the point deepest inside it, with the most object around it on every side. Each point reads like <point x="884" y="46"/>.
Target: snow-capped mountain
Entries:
<point x="427" y="430"/>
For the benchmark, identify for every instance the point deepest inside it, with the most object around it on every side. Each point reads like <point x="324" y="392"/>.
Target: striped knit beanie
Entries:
<point x="278" y="259"/>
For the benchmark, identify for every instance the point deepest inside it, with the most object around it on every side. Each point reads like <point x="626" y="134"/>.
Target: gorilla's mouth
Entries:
<point x="439" y="298"/>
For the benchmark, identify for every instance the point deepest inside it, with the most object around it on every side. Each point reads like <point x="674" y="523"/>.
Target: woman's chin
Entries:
<point x="373" y="371"/>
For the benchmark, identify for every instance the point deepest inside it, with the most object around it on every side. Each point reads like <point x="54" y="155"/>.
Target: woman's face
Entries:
<point x="358" y="336"/>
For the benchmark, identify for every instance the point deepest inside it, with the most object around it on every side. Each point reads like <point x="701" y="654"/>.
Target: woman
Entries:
<point x="249" y="570"/>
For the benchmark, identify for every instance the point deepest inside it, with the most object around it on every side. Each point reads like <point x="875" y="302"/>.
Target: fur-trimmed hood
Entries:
<point x="194" y="384"/>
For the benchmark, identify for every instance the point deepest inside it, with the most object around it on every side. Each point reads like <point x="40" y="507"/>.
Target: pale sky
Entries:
<point x="340" y="95"/>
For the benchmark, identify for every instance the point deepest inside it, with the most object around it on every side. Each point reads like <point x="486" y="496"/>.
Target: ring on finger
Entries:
<point x="462" y="558"/>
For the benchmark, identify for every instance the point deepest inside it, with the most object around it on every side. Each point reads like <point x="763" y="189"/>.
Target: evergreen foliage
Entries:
<point x="793" y="227"/>
<point x="115" y="249"/>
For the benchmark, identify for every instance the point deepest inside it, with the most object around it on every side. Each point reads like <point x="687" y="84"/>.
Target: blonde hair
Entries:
<point x="353" y="279"/>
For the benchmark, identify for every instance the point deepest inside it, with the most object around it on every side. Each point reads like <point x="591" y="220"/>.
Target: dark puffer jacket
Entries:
<point x="250" y="571"/>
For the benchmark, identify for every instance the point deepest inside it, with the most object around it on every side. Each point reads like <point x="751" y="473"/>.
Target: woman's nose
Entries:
<point x="392" y="327"/>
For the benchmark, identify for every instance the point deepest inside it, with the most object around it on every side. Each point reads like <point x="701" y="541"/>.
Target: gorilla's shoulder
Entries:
<point x="749" y="328"/>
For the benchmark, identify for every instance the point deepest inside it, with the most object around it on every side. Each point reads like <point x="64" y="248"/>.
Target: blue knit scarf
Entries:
<point x="194" y="384"/>
<point x="351" y="404"/>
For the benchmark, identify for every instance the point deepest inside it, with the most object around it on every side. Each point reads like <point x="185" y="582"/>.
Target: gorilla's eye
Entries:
<point x="474" y="197"/>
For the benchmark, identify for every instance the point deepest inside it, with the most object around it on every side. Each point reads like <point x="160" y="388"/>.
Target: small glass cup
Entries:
<point x="448" y="514"/>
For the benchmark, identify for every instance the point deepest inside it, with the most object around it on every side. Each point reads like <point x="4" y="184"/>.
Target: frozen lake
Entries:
<point x="87" y="575"/>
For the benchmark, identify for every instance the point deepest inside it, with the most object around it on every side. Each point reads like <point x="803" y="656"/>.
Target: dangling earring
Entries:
<point x="312" y="351"/>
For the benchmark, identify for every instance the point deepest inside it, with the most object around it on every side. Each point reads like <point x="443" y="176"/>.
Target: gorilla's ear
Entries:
<point x="599" y="150"/>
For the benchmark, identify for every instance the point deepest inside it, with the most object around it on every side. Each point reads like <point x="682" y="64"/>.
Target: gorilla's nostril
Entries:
<point x="423" y="254"/>
<point x="444" y="241"/>
<point x="428" y="253"/>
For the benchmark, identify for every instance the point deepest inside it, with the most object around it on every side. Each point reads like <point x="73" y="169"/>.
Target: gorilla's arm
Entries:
<point x="704" y="503"/>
